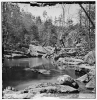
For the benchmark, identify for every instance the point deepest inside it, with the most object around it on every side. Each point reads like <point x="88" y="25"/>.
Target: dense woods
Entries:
<point x="20" y="28"/>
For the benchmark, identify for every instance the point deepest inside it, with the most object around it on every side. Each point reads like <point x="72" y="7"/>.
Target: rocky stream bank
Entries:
<point x="65" y="86"/>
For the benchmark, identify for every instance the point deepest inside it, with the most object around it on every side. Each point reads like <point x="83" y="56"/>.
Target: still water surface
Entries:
<point x="21" y="74"/>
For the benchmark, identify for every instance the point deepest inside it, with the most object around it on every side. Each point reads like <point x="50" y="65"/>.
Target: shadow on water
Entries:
<point x="21" y="73"/>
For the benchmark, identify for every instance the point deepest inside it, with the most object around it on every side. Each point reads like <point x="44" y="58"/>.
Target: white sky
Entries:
<point x="52" y="11"/>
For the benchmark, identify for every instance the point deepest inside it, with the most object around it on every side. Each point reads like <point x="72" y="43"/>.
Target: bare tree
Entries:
<point x="87" y="15"/>
<point x="44" y="14"/>
<point x="63" y="9"/>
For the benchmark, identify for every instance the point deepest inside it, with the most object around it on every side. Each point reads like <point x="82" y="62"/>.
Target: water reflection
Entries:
<point x="26" y="72"/>
<point x="25" y="62"/>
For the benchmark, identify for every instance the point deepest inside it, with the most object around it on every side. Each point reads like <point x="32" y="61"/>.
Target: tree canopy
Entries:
<point x="20" y="27"/>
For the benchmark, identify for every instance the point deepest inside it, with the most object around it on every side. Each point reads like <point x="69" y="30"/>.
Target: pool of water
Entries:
<point x="25" y="62"/>
<point x="19" y="73"/>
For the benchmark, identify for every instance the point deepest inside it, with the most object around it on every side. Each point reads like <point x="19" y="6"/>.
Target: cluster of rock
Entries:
<point x="89" y="79"/>
<point x="85" y="66"/>
<point x="64" y="84"/>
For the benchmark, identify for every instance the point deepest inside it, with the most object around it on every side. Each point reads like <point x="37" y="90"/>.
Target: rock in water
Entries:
<point x="91" y="84"/>
<point x="90" y="57"/>
<point x="83" y="78"/>
<point x="9" y="88"/>
<point x="67" y="80"/>
<point x="87" y="77"/>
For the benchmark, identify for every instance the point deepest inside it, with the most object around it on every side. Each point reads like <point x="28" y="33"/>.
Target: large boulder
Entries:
<point x="67" y="80"/>
<point x="36" y="50"/>
<point x="90" y="57"/>
<point x="39" y="50"/>
<point x="83" y="78"/>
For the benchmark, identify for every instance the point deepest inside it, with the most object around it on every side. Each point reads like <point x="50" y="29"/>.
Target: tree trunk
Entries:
<point x="87" y="16"/>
